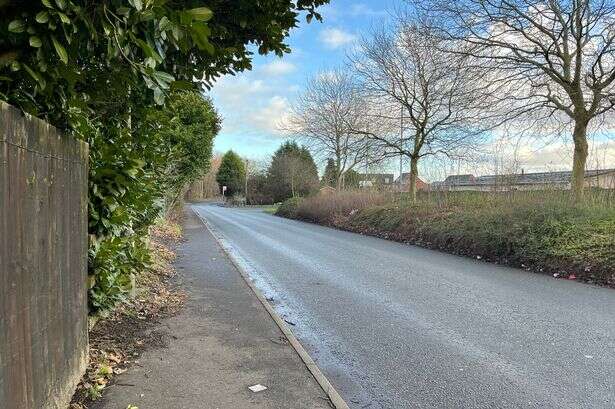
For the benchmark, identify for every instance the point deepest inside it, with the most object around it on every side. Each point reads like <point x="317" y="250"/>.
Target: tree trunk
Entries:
<point x="414" y="172"/>
<point x="579" y="160"/>
<point x="340" y="182"/>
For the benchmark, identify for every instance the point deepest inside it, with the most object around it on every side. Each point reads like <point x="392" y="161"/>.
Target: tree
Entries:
<point x="232" y="174"/>
<point x="324" y="115"/>
<point x="553" y="60"/>
<point x="292" y="172"/>
<point x="97" y="69"/>
<point x="188" y="124"/>
<point x="415" y="86"/>
<point x="258" y="189"/>
<point x="352" y="179"/>
<point x="329" y="177"/>
<point x="51" y="51"/>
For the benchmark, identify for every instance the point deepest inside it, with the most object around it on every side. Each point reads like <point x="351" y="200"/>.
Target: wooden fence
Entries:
<point x="43" y="262"/>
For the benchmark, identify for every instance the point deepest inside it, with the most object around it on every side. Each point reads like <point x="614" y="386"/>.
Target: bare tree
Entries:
<point x="323" y="116"/>
<point x="553" y="57"/>
<point x="429" y="94"/>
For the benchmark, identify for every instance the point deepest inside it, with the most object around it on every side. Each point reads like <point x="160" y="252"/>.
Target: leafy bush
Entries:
<point x="134" y="178"/>
<point x="288" y="208"/>
<point x="114" y="262"/>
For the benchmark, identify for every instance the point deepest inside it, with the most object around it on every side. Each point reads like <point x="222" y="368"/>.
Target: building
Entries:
<point x="599" y="178"/>
<point x="377" y="180"/>
<point x="405" y="181"/>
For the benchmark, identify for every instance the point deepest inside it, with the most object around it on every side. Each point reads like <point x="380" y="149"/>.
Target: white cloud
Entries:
<point x="271" y="116"/>
<point x="336" y="38"/>
<point x="279" y="67"/>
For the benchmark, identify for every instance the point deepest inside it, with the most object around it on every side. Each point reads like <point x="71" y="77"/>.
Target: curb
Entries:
<point x="336" y="399"/>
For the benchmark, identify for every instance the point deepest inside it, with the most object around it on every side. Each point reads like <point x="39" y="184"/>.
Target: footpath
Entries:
<point x="220" y="344"/>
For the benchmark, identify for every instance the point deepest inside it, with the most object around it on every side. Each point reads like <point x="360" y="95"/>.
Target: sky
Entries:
<point x="254" y="103"/>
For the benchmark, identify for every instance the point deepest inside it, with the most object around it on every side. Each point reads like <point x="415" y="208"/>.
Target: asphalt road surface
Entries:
<point x="397" y="326"/>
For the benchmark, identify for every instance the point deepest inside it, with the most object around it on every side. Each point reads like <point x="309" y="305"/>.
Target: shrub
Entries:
<point x="325" y="208"/>
<point x="288" y="208"/>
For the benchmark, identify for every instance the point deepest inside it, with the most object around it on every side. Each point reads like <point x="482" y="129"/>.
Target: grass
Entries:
<point x="542" y="230"/>
<point x="271" y="209"/>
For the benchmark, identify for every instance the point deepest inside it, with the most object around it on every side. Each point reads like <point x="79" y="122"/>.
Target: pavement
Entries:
<point x="222" y="342"/>
<point x="398" y="326"/>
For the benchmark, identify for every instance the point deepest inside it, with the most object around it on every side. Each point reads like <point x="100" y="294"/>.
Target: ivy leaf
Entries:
<point x="17" y="26"/>
<point x="35" y="42"/>
<point x="60" y="50"/>
<point x="201" y="13"/>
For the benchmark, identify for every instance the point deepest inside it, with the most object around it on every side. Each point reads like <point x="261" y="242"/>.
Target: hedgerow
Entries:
<point x="541" y="230"/>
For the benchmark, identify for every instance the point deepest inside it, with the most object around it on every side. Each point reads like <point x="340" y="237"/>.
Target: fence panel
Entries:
<point x="43" y="262"/>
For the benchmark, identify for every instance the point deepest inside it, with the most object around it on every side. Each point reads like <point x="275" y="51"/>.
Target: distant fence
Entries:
<point x="43" y="262"/>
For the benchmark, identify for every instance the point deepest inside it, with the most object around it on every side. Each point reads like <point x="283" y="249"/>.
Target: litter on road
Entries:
<point x="257" y="388"/>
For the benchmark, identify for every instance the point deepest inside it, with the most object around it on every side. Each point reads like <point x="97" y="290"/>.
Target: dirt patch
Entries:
<point x="119" y="337"/>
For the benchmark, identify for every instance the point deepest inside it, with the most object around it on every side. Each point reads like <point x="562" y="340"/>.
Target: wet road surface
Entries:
<point x="397" y="326"/>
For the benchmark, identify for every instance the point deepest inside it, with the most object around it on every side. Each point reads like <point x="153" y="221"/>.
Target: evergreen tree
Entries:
<point x="329" y="177"/>
<point x="292" y="172"/>
<point x="352" y="179"/>
<point x="232" y="174"/>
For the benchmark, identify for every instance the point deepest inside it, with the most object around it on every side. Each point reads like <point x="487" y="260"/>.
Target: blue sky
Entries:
<point x="253" y="103"/>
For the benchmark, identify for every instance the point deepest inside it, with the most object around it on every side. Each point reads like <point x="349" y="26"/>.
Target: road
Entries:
<point x="397" y="326"/>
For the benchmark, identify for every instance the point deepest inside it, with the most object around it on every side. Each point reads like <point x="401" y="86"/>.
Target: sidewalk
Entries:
<point x="222" y="342"/>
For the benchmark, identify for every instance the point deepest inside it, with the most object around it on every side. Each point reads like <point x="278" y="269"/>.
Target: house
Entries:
<point x="405" y="180"/>
<point x="455" y="180"/>
<point x="378" y="180"/>
<point x="599" y="178"/>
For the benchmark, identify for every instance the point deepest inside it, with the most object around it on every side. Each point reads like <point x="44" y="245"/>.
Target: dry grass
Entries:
<point x="541" y="230"/>
<point x="118" y="337"/>
<point x="326" y="208"/>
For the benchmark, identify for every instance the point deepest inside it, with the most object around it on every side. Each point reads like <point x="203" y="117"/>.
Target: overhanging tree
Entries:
<point x="52" y="50"/>
<point x="96" y="68"/>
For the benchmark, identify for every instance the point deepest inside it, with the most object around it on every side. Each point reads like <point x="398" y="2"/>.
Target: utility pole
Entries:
<point x="246" y="180"/>
<point x="401" y="145"/>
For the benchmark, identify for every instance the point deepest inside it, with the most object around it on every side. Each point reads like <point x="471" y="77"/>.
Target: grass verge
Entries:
<point x="118" y="337"/>
<point x="542" y="231"/>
